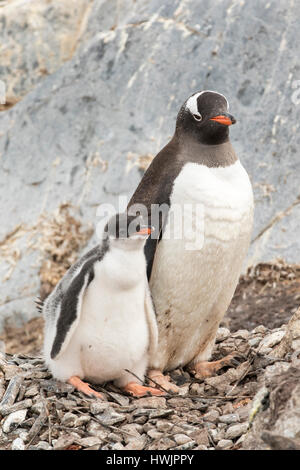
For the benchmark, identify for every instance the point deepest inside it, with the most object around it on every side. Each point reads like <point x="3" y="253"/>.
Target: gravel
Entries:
<point x="39" y="413"/>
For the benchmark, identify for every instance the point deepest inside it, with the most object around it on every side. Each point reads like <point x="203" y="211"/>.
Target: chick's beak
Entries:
<point x="145" y="231"/>
<point x="225" y="119"/>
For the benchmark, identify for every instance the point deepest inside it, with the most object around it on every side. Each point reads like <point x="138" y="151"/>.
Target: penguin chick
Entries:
<point x="99" y="320"/>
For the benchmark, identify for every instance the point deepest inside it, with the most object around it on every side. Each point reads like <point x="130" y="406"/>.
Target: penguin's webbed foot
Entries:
<point x="138" y="391"/>
<point x="205" y="369"/>
<point x="158" y="378"/>
<point x="83" y="387"/>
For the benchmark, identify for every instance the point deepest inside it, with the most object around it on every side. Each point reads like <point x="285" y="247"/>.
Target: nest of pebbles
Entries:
<point x="40" y="413"/>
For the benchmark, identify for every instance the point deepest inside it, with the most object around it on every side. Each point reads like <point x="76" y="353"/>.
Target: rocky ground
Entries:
<point x="39" y="413"/>
<point x="254" y="405"/>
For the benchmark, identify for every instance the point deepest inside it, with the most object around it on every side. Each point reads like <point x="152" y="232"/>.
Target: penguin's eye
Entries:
<point x="197" y="117"/>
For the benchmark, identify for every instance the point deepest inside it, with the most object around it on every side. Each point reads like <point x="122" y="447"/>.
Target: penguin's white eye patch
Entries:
<point x="197" y="117"/>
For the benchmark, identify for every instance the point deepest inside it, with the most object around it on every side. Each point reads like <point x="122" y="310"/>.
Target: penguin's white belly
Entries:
<point x="194" y="275"/>
<point x="112" y="334"/>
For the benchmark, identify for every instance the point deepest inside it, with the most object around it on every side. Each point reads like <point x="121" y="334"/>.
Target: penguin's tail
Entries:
<point x="39" y="304"/>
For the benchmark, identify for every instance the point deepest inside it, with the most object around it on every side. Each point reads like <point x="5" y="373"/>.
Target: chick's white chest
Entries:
<point x="112" y="333"/>
<point x="199" y="259"/>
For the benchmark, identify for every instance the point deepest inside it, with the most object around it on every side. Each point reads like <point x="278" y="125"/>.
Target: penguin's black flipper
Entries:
<point x="71" y="301"/>
<point x="154" y="192"/>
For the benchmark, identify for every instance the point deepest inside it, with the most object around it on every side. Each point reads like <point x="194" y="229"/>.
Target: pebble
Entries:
<point x="271" y="340"/>
<point x="187" y="446"/>
<point x="164" y="426"/>
<point x="42" y="445"/>
<point x="212" y="416"/>
<point x="230" y="418"/>
<point x="151" y="402"/>
<point x="154" y="434"/>
<point x="254" y="342"/>
<point x="89" y="441"/>
<point x="117" y="446"/>
<point x="14" y="420"/>
<point x="222" y="334"/>
<point x="18" y="444"/>
<point x="181" y="439"/>
<point x="236" y="430"/>
<point x="259" y="329"/>
<point x="224" y="444"/>
<point x="11" y="392"/>
<point x="110" y="417"/>
<point x="20" y="405"/>
<point x="243" y="334"/>
<point x="69" y="419"/>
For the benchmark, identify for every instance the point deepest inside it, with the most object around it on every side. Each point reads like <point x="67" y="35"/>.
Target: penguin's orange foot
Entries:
<point x="163" y="380"/>
<point x="83" y="387"/>
<point x="137" y="390"/>
<point x="205" y="369"/>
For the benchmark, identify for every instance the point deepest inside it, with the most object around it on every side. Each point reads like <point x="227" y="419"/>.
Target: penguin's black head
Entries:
<point x="127" y="228"/>
<point x="204" y="116"/>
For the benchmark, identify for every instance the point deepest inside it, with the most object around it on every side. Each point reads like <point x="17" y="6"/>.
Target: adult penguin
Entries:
<point x="195" y="255"/>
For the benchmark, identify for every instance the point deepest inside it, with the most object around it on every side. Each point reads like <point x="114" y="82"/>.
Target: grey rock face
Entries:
<point x="78" y="136"/>
<point x="37" y="37"/>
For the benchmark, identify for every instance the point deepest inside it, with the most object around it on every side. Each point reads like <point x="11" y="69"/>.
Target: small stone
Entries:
<point x="23" y="435"/>
<point x="254" y="342"/>
<point x="38" y="407"/>
<point x="224" y="444"/>
<point x="136" y="444"/>
<point x="11" y="392"/>
<point x="271" y="340"/>
<point x="242" y="334"/>
<point x="141" y="419"/>
<point x="32" y="391"/>
<point x="181" y="439"/>
<point x="113" y="437"/>
<point x="117" y="446"/>
<point x="110" y="417"/>
<point x="160" y="413"/>
<point x="42" y="445"/>
<point x="97" y="407"/>
<point x="96" y="429"/>
<point x="120" y="399"/>
<point x="14" y="420"/>
<point x="151" y="402"/>
<point x="259" y="329"/>
<point x="222" y="334"/>
<point x="162" y="444"/>
<point x="154" y="434"/>
<point x="69" y="419"/>
<point x="18" y="444"/>
<point x="211" y="416"/>
<point x="56" y="386"/>
<point x="164" y="426"/>
<point x="229" y="418"/>
<point x="89" y="441"/>
<point x="20" y="405"/>
<point x="63" y="442"/>
<point x="186" y="446"/>
<point x="197" y="389"/>
<point x="236" y="430"/>
<point x="131" y="432"/>
<point x="81" y="420"/>
<point x="200" y="436"/>
<point x="200" y="447"/>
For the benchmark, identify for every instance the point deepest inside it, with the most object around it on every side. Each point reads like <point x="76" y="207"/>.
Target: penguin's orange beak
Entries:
<point x="145" y="231"/>
<point x="225" y="119"/>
